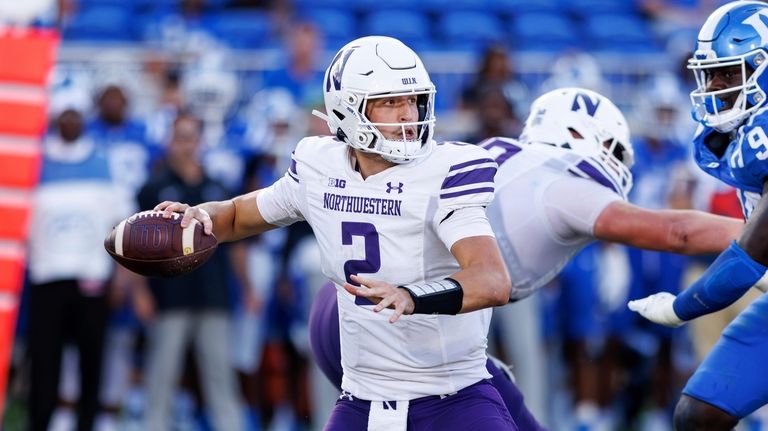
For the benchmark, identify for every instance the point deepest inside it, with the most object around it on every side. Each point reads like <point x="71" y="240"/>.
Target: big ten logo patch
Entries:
<point x="337" y="183"/>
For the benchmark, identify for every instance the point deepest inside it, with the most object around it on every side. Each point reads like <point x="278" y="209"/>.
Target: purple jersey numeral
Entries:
<point x="509" y="148"/>
<point x="372" y="261"/>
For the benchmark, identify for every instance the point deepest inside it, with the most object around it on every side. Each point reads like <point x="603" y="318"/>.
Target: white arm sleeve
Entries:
<point x="279" y="203"/>
<point x="573" y="204"/>
<point x="463" y="223"/>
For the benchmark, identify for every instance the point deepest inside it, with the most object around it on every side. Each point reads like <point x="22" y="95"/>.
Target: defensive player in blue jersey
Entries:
<point x="731" y="144"/>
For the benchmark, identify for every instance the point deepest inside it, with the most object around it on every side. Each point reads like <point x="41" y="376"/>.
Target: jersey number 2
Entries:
<point x="372" y="261"/>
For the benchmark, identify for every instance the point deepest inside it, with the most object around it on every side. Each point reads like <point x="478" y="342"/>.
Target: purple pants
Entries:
<point x="475" y="408"/>
<point x="326" y="349"/>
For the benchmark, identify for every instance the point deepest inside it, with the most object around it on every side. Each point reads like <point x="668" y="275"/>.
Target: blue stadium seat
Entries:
<point x="470" y="27"/>
<point x="409" y="26"/>
<point x="524" y="6"/>
<point x="335" y="4"/>
<point x="366" y="6"/>
<point x="540" y="31"/>
<point x="101" y="23"/>
<point x="240" y="29"/>
<point x="587" y="7"/>
<point x="454" y="5"/>
<point x="335" y="24"/>
<point x="620" y="32"/>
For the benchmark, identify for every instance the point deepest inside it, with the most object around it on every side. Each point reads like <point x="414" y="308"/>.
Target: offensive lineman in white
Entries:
<point x="401" y="225"/>
<point x="565" y="184"/>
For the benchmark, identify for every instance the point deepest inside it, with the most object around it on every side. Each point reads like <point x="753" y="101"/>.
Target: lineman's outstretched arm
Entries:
<point x="676" y="231"/>
<point x="741" y="266"/>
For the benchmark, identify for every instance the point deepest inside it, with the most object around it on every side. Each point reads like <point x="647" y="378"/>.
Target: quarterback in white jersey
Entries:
<point x="396" y="224"/>
<point x="401" y="225"/>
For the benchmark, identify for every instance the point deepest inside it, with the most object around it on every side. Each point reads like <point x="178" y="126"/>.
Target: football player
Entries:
<point x="560" y="187"/>
<point x="731" y="144"/>
<point x="400" y="221"/>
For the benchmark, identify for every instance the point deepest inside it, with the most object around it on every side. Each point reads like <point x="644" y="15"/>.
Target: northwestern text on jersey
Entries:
<point x="361" y="204"/>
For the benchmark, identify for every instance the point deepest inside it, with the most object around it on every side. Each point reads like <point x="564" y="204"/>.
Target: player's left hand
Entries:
<point x="658" y="309"/>
<point x="384" y="295"/>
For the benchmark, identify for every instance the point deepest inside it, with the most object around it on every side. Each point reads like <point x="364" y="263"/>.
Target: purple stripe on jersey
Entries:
<point x="596" y="175"/>
<point x="469" y="163"/>
<point x="467" y="192"/>
<point x="292" y="168"/>
<point x="293" y="177"/>
<point x="482" y="175"/>
<point x="509" y="148"/>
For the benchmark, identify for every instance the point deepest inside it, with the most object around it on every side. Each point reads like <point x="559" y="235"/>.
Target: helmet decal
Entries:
<point x="587" y="102"/>
<point x="337" y="69"/>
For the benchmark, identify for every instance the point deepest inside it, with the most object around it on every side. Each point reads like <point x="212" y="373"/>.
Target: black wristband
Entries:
<point x="436" y="297"/>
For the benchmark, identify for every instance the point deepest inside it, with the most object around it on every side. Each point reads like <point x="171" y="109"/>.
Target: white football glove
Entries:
<point x="658" y="309"/>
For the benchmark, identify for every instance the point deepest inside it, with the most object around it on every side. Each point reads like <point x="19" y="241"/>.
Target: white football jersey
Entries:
<point x="547" y="202"/>
<point x="395" y="226"/>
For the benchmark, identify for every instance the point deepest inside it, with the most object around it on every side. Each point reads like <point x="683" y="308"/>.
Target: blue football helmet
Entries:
<point x="735" y="34"/>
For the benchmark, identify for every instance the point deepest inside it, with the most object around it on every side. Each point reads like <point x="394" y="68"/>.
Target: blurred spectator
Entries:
<point x="661" y="116"/>
<point x="193" y="306"/>
<point x="275" y="125"/>
<point x="669" y="16"/>
<point x="575" y="69"/>
<point x="129" y="151"/>
<point x="210" y="90"/>
<point x="179" y="26"/>
<point x="168" y="104"/>
<point x="300" y="73"/>
<point x="496" y="69"/>
<point x="75" y="203"/>
<point x="494" y="114"/>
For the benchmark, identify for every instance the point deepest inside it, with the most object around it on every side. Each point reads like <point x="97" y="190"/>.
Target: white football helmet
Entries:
<point x="376" y="67"/>
<point x="587" y="123"/>
<point x="733" y="35"/>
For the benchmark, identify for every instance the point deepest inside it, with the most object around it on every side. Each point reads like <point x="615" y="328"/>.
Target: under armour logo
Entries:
<point x="346" y="395"/>
<point x="390" y="187"/>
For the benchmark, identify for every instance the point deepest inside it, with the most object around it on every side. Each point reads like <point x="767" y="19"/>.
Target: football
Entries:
<point x="149" y="244"/>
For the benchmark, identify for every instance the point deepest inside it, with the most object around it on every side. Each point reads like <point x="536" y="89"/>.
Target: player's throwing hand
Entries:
<point x="384" y="295"/>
